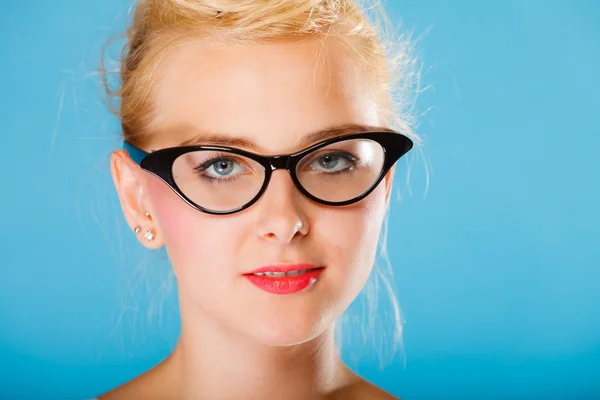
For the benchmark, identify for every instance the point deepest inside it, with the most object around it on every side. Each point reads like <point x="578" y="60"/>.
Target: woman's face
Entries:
<point x="271" y="95"/>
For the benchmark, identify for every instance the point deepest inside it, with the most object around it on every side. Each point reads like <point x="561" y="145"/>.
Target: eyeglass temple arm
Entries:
<point x="136" y="154"/>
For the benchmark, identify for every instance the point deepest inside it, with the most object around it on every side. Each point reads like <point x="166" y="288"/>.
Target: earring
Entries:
<point x="137" y="229"/>
<point x="149" y="235"/>
<point x="147" y="214"/>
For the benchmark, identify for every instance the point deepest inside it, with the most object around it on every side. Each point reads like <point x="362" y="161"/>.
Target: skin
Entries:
<point x="237" y="341"/>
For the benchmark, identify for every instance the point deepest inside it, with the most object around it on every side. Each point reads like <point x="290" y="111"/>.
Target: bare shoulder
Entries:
<point x="370" y="391"/>
<point x="150" y="385"/>
<point x="131" y="389"/>
<point x="363" y="389"/>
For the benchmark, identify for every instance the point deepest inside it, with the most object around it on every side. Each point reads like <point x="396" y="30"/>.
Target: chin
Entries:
<point x="289" y="330"/>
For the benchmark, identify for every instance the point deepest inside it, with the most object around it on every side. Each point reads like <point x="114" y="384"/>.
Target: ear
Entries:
<point x="129" y="181"/>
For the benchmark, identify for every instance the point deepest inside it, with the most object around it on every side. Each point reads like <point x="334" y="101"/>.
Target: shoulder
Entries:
<point x="363" y="389"/>
<point x="370" y="391"/>
<point x="128" y="390"/>
<point x="152" y="384"/>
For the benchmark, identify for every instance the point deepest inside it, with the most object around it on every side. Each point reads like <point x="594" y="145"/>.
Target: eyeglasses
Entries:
<point x="224" y="180"/>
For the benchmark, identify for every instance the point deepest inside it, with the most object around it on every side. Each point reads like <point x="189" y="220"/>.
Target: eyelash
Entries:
<point x="211" y="180"/>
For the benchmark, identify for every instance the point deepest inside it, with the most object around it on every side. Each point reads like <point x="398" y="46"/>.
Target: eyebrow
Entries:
<point x="307" y="140"/>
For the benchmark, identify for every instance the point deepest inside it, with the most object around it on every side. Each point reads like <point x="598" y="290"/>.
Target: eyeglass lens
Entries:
<point x="222" y="181"/>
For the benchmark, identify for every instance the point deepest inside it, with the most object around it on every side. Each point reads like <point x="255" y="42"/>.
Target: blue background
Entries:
<point x="497" y="265"/>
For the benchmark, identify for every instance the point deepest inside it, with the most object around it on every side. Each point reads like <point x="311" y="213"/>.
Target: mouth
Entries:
<point x="285" y="279"/>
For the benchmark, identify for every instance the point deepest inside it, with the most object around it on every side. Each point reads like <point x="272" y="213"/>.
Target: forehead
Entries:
<point x="271" y="93"/>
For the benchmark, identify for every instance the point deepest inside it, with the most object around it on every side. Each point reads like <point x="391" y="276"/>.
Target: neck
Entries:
<point x="214" y="361"/>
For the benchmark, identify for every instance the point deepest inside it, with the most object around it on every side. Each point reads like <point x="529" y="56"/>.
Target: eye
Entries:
<point x="221" y="167"/>
<point x="333" y="162"/>
<point x="224" y="167"/>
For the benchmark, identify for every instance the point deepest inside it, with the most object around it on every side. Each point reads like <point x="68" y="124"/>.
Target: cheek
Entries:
<point x="195" y="241"/>
<point x="361" y="222"/>
<point x="352" y="233"/>
<point x="173" y="216"/>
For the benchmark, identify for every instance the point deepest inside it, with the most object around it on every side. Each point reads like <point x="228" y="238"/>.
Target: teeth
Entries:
<point x="297" y="272"/>
<point x="282" y="274"/>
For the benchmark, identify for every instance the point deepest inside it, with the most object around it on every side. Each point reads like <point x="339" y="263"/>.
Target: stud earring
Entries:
<point x="137" y="229"/>
<point x="149" y="235"/>
<point x="147" y="214"/>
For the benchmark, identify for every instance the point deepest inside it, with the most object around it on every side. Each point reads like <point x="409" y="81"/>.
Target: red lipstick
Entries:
<point x="285" y="279"/>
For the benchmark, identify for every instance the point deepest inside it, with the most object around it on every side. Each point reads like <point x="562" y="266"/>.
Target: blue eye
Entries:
<point x="220" y="169"/>
<point x="329" y="161"/>
<point x="223" y="167"/>
<point x="333" y="162"/>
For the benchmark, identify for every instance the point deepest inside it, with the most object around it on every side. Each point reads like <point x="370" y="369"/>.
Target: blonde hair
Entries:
<point x="159" y="26"/>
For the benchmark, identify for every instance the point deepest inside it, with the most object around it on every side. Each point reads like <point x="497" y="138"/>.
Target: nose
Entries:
<point x="281" y="218"/>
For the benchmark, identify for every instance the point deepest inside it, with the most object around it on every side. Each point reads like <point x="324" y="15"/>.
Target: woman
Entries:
<point x="259" y="145"/>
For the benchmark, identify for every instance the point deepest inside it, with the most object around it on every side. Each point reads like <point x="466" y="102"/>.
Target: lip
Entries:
<point x="286" y="284"/>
